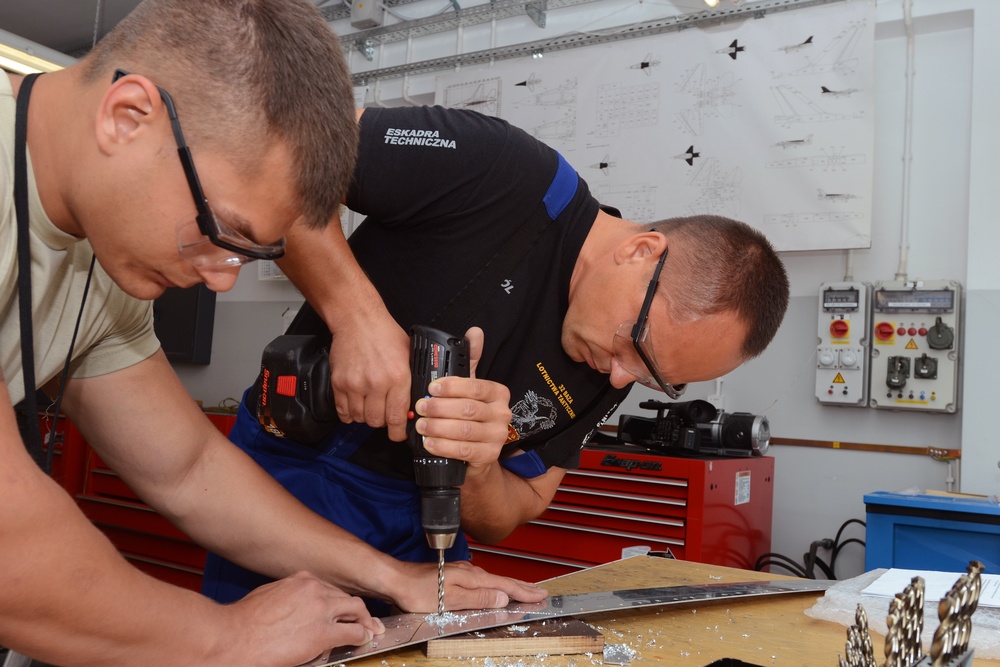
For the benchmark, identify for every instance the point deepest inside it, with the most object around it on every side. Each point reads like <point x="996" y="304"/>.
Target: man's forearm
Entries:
<point x="495" y="501"/>
<point x="321" y="265"/>
<point x="280" y="535"/>
<point x="369" y="353"/>
<point x="57" y="570"/>
<point x="180" y="464"/>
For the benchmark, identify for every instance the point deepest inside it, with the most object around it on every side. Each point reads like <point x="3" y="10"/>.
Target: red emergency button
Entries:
<point x="884" y="330"/>
<point x="922" y="331"/>
<point x="286" y="385"/>
<point x="912" y="331"/>
<point x="840" y="328"/>
<point x="901" y="331"/>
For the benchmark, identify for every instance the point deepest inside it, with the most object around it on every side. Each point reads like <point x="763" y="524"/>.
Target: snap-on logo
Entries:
<point x="613" y="461"/>
<point x="263" y="387"/>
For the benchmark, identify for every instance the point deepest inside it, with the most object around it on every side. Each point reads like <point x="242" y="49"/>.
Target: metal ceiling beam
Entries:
<point x="343" y="11"/>
<point x="571" y="41"/>
<point x="367" y="40"/>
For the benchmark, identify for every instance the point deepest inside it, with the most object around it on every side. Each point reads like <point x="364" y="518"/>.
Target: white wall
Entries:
<point x="952" y="235"/>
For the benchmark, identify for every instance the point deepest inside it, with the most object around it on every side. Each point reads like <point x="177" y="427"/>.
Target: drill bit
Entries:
<point x="440" y="581"/>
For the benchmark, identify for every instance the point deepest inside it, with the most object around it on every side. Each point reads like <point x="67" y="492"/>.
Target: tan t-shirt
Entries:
<point x="116" y="330"/>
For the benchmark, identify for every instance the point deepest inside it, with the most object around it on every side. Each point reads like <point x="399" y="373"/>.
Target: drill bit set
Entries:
<point x="950" y="646"/>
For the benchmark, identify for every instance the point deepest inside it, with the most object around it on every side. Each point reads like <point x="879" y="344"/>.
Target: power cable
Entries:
<point x="811" y="559"/>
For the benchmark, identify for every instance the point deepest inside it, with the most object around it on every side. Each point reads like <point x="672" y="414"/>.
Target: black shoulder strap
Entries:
<point x="30" y="429"/>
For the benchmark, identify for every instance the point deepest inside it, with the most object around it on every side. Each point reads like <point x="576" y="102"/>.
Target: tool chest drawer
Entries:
<point x="620" y="502"/>
<point x="630" y="524"/>
<point x="583" y="543"/>
<point x="709" y="509"/>
<point x="630" y="484"/>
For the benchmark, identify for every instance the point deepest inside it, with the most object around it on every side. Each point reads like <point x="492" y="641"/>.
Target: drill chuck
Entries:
<point x="440" y="514"/>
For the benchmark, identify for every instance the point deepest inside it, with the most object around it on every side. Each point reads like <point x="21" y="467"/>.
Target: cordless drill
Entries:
<point x="435" y="354"/>
<point x="296" y="401"/>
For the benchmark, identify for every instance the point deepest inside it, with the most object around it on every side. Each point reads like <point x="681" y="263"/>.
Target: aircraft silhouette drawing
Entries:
<point x="844" y="92"/>
<point x="794" y="143"/>
<point x="833" y="196"/>
<point x="605" y="165"/>
<point x="646" y="65"/>
<point x="733" y="49"/>
<point x="797" y="108"/>
<point x="689" y="155"/>
<point x="797" y="47"/>
<point x="530" y="82"/>
<point x="838" y="56"/>
<point x="483" y="98"/>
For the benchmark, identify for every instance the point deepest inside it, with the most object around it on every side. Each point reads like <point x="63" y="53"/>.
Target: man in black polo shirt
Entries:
<point x="474" y="223"/>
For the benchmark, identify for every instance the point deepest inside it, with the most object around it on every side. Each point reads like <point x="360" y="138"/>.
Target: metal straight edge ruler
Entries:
<point x="409" y="629"/>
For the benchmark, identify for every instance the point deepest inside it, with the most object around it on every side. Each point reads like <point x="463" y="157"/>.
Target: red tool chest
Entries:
<point x="710" y="510"/>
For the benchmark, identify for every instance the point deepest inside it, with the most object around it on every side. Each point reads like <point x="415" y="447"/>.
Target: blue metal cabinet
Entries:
<point x="929" y="532"/>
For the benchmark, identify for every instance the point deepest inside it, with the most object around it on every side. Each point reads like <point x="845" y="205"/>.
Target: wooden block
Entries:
<point x="556" y="636"/>
<point x="951" y="494"/>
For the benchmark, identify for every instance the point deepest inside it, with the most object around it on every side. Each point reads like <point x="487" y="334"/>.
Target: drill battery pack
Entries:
<point x="295" y="399"/>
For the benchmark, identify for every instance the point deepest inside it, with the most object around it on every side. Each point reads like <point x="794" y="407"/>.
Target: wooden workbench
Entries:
<point x="770" y="631"/>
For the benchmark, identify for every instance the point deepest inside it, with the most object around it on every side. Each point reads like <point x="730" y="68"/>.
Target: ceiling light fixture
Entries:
<point x="23" y="56"/>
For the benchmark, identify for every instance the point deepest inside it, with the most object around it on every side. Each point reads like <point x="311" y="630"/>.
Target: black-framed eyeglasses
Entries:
<point x="645" y="368"/>
<point x="209" y="227"/>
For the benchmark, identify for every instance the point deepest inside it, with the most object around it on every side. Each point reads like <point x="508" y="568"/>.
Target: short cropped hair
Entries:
<point x="724" y="265"/>
<point x="243" y="74"/>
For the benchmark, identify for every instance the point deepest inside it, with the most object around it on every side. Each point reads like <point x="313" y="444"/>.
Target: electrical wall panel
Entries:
<point x="916" y="336"/>
<point x="842" y="352"/>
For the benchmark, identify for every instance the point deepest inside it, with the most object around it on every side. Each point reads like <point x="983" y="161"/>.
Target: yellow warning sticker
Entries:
<point x="839" y="379"/>
<point x="912" y="345"/>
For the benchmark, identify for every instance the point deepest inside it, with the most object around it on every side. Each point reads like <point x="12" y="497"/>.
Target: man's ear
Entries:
<point x="127" y="109"/>
<point x="645" y="246"/>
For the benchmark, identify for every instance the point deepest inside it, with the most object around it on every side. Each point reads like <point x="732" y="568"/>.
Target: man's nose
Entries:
<point x="219" y="280"/>
<point x="620" y="378"/>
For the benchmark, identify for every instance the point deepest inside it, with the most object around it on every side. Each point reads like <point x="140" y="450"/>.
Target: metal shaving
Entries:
<point x="618" y="654"/>
<point x="445" y="618"/>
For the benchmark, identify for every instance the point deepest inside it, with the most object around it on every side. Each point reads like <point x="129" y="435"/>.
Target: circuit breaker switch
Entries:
<point x="940" y="336"/>
<point x="925" y="367"/>
<point x="897" y="372"/>
<point x="840" y="328"/>
<point x="885" y="330"/>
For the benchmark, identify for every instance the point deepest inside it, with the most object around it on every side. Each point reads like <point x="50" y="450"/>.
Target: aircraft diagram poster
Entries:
<point x="769" y="120"/>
